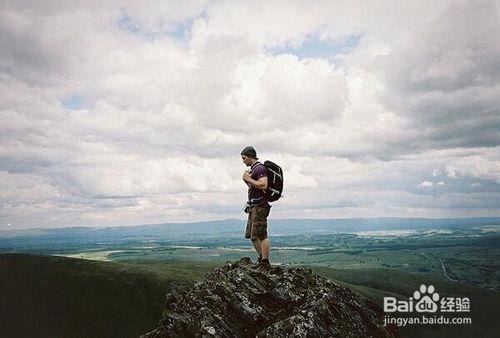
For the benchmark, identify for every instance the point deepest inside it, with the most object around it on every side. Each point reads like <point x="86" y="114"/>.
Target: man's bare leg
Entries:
<point x="265" y="246"/>
<point x="257" y="245"/>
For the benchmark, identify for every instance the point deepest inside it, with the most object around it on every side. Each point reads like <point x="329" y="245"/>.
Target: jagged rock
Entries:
<point x="236" y="301"/>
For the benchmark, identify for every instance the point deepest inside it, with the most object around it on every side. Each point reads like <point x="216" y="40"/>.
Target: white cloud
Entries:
<point x="168" y="93"/>
<point x="436" y="173"/>
<point x="485" y="166"/>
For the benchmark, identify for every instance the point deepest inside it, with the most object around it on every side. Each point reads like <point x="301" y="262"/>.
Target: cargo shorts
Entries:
<point x="257" y="222"/>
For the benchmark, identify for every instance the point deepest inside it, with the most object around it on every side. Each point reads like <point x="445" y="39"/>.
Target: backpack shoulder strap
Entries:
<point x="255" y="165"/>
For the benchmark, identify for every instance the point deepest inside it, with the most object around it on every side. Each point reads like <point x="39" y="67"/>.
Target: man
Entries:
<point x="257" y="206"/>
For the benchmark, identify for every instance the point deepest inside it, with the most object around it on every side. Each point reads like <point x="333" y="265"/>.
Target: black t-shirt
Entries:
<point x="257" y="196"/>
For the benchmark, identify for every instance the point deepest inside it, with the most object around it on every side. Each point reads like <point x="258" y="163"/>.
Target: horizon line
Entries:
<point x="238" y="219"/>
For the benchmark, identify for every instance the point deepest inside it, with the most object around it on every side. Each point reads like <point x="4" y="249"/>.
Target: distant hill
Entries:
<point x="65" y="297"/>
<point x="40" y="238"/>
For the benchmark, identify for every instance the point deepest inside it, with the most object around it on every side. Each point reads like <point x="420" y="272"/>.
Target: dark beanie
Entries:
<point x="250" y="152"/>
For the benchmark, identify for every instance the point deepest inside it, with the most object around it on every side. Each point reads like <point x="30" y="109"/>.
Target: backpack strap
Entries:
<point x="255" y="165"/>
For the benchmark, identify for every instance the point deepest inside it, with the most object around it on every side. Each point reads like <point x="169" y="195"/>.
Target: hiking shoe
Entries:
<point x="264" y="265"/>
<point x="257" y="264"/>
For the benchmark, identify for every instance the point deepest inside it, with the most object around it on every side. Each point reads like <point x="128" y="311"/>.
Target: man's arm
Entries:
<point x="261" y="184"/>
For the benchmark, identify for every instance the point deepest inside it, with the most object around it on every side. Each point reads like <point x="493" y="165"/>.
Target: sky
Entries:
<point x="135" y="112"/>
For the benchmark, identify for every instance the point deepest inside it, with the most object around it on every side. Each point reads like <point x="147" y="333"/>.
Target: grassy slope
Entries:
<point x="43" y="296"/>
<point x="378" y="282"/>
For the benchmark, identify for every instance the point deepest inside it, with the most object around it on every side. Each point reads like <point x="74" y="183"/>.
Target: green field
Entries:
<point x="470" y="256"/>
<point x="67" y="297"/>
<point x="116" y="288"/>
<point x="45" y="296"/>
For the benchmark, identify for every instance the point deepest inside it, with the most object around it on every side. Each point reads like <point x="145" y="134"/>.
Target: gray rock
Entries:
<point x="236" y="301"/>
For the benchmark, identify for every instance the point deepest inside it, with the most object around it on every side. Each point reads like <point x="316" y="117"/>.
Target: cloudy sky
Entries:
<point x="135" y="112"/>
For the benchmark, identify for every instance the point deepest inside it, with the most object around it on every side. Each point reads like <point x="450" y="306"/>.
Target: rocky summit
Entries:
<point x="237" y="301"/>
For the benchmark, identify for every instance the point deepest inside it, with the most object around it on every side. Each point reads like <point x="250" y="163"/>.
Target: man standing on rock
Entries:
<point x="257" y="206"/>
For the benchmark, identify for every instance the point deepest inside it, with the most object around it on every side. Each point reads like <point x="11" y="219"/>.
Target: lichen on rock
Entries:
<point x="237" y="301"/>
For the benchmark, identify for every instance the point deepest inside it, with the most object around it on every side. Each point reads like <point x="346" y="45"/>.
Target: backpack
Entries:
<point x="274" y="181"/>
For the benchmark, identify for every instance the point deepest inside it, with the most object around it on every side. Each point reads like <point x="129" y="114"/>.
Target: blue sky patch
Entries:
<point x="128" y="24"/>
<point x="314" y="48"/>
<point x="181" y="30"/>
<point x="75" y="101"/>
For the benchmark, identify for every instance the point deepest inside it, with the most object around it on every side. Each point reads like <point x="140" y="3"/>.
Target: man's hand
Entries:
<point x="261" y="184"/>
<point x="247" y="177"/>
